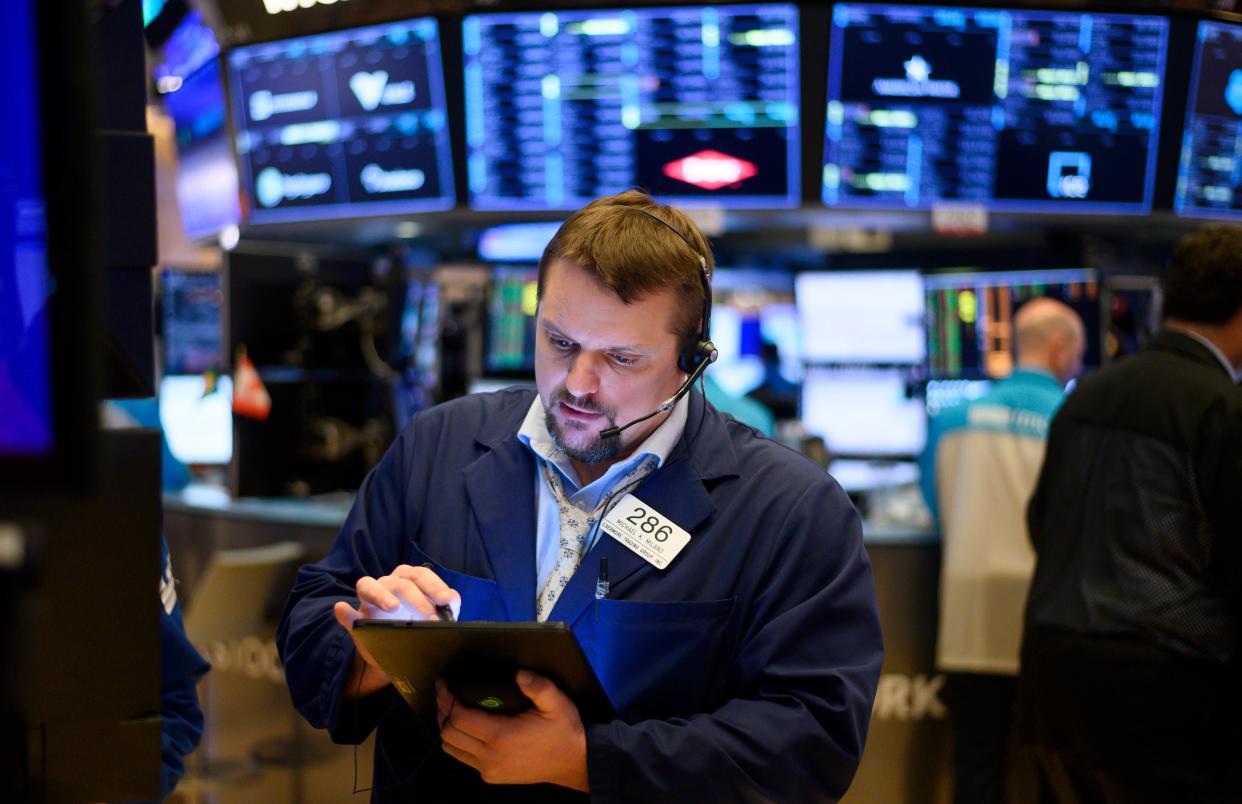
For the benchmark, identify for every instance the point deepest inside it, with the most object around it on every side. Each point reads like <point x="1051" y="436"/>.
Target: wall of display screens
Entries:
<point x="696" y="104"/>
<point x="343" y="124"/>
<point x="1014" y="109"/>
<point x="1209" y="181"/>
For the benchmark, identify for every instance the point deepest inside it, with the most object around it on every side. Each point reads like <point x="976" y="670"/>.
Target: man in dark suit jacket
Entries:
<point x="1130" y="661"/>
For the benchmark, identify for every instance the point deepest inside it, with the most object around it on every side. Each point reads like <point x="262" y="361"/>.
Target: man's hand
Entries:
<point x="409" y="593"/>
<point x="546" y="743"/>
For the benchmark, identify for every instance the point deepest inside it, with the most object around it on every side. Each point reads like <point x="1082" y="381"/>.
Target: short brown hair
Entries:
<point x="634" y="255"/>
<point x="1204" y="284"/>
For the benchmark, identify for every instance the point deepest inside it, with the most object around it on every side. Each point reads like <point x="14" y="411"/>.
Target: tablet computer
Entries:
<point x="478" y="661"/>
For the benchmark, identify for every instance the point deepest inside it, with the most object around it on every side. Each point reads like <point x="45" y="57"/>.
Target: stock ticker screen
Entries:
<point x="970" y="332"/>
<point x="1014" y="109"/>
<point x="696" y="104"/>
<point x="343" y="124"/>
<point x="511" y="320"/>
<point x="1209" y="181"/>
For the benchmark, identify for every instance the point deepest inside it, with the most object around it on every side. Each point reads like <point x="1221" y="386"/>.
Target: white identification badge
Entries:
<point x="645" y="531"/>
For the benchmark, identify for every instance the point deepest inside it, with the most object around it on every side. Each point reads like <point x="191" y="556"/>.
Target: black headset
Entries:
<point x="689" y="360"/>
<point x="695" y="360"/>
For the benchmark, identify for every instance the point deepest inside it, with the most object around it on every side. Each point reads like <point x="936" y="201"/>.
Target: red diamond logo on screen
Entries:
<point x="710" y="170"/>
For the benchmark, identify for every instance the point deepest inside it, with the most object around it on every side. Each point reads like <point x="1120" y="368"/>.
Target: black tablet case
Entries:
<point x="478" y="660"/>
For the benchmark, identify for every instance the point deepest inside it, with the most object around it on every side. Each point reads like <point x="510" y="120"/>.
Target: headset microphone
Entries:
<point x="692" y="361"/>
<point x="708" y="359"/>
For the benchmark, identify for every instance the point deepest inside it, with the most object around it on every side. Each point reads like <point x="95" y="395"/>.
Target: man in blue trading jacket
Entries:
<point x="979" y="470"/>
<point x="743" y="671"/>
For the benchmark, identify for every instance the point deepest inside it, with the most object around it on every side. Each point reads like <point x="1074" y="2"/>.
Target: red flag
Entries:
<point x="250" y="397"/>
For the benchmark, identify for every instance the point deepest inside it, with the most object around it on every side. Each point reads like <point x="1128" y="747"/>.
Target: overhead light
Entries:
<point x="230" y="236"/>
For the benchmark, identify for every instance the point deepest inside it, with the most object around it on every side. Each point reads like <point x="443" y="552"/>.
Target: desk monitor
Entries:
<point x="1209" y="179"/>
<point x="861" y="317"/>
<point x="343" y="124"/>
<point x="1015" y="109"/>
<point x="864" y="412"/>
<point x="511" y="321"/>
<point x="752" y="311"/>
<point x="696" y="104"/>
<point x="191" y="303"/>
<point x="970" y="317"/>
<point x="197" y="418"/>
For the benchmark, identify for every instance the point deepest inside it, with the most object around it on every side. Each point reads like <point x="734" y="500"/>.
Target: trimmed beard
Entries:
<point x="597" y="451"/>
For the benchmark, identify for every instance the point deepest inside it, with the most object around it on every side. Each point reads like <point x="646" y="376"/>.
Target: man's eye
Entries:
<point x="562" y="344"/>
<point x="622" y="360"/>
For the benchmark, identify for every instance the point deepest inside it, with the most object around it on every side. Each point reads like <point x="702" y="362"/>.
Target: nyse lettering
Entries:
<point x="902" y="697"/>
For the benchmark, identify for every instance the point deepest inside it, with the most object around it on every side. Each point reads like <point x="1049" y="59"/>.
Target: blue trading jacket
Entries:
<point x="745" y="671"/>
<point x="181" y="667"/>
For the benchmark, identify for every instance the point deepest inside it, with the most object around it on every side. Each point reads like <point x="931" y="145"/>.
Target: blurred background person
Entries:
<point x="979" y="470"/>
<point x="1129" y="683"/>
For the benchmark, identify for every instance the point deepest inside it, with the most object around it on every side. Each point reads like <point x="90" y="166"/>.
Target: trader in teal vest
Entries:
<point x="979" y="471"/>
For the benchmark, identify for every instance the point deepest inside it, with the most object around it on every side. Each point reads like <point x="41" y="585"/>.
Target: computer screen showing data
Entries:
<point x="192" y="303"/>
<point x="1013" y="109"/>
<point x="511" y="320"/>
<point x="695" y="104"/>
<point x="343" y="124"/>
<point x="1209" y="182"/>
<point x="861" y="317"/>
<point x="970" y="317"/>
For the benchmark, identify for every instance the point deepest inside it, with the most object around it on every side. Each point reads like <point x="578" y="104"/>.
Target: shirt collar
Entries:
<point x="534" y="434"/>
<point x="1213" y="348"/>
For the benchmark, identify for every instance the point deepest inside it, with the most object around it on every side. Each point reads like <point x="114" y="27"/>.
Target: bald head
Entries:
<point x="1050" y="336"/>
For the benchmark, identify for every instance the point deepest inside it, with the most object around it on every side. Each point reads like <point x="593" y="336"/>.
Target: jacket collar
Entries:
<point x="1180" y="343"/>
<point x="500" y="485"/>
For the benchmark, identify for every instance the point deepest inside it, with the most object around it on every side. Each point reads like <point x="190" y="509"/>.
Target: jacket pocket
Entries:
<point x="664" y="659"/>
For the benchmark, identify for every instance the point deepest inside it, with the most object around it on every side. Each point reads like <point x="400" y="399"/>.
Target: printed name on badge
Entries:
<point x="646" y="531"/>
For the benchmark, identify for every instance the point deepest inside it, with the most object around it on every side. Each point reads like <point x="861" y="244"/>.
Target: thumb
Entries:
<point x="541" y="691"/>
<point x="345" y="615"/>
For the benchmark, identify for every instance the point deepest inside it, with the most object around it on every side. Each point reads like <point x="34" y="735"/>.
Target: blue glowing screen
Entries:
<point x="695" y="104"/>
<point x="343" y="124"/>
<point x="1013" y="109"/>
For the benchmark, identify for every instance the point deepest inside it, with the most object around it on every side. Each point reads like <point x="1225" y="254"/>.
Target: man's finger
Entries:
<point x="545" y="695"/>
<point x="462" y="742"/>
<point x="431" y="585"/>
<point x="345" y="614"/>
<point x="373" y="592"/>
<point x="410" y="594"/>
<point x="461" y="756"/>
<point x="478" y="724"/>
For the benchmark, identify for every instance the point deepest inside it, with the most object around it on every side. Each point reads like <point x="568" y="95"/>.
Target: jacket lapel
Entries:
<point x="500" y="485"/>
<point x="677" y="492"/>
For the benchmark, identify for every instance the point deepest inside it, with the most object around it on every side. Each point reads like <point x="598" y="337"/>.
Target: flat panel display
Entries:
<point x="864" y="412"/>
<point x="191" y="303"/>
<point x="1209" y="180"/>
<point x="755" y="329"/>
<point x="696" y="104"/>
<point x="343" y="124"/>
<point x="197" y="417"/>
<point x="26" y="420"/>
<point x="1015" y="109"/>
<point x="206" y="172"/>
<point x="861" y="317"/>
<point x="511" y="320"/>
<point x="970" y="333"/>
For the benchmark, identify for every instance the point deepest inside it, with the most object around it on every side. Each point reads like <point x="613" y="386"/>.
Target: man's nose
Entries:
<point x="583" y="379"/>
